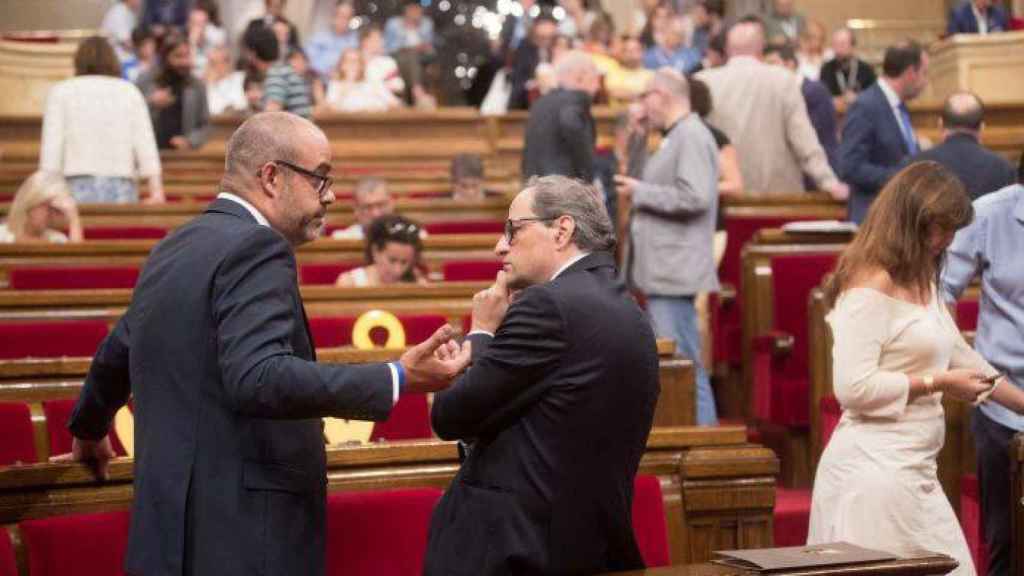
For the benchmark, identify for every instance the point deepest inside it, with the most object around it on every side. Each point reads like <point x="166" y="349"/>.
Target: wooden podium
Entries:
<point x="991" y="66"/>
<point x="30" y="64"/>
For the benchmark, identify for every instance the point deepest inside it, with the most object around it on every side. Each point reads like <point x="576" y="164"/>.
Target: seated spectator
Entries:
<point x="410" y="39"/>
<point x="783" y="25"/>
<point x="627" y="81"/>
<point x="818" y="101"/>
<point x="118" y="24"/>
<point x="38" y="208"/>
<point x="379" y="66"/>
<point x="714" y="56"/>
<point x="351" y="91"/>
<point x="165" y="16"/>
<point x="300" y="63"/>
<point x="225" y="90"/>
<point x="536" y="49"/>
<point x="467" y="176"/>
<point x="142" y="59"/>
<point x="597" y="42"/>
<point x="709" y="21"/>
<point x="274" y="13"/>
<point x="204" y="34"/>
<point x="97" y="131"/>
<point x="177" y="99"/>
<point x="670" y="50"/>
<point x="812" y="54"/>
<point x="730" y="179"/>
<point x="977" y="17"/>
<point x="253" y="86"/>
<point x="393" y="248"/>
<point x="846" y="75"/>
<point x="324" y="49"/>
<point x="655" y="16"/>
<point x="372" y="200"/>
<point x="284" y="87"/>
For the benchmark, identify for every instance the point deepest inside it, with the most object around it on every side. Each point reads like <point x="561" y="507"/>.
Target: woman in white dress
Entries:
<point x="352" y="91"/>
<point x="393" y="248"/>
<point x="896" y="352"/>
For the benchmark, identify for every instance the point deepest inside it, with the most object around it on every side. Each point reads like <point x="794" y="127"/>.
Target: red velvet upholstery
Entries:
<point x="124" y="233"/>
<point x="73" y="277"/>
<point x="967" y="314"/>
<point x="58" y="412"/>
<point x="378" y="533"/>
<point x="792" y="516"/>
<point x="430" y="194"/>
<point x="8" y="565"/>
<point x="51" y="339"/>
<point x="332" y="331"/>
<point x="782" y="381"/>
<point x="409" y="420"/>
<point x="80" y="544"/>
<point x="18" y="445"/>
<point x="649" y="521"/>
<point x="496" y="227"/>
<point x="831" y="412"/>
<point x="324" y="274"/>
<point x="970" y="521"/>
<point x="466" y="270"/>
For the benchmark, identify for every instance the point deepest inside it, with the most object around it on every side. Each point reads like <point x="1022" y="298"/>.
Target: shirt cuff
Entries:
<point x="471" y="332"/>
<point x="397" y="381"/>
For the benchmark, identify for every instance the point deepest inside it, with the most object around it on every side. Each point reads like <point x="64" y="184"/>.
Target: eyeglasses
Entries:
<point x="324" y="182"/>
<point x="514" y="225"/>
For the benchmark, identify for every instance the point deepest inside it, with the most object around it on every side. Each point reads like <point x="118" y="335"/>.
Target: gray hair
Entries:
<point x="367" y="186"/>
<point x="555" y="196"/>
<point x="570" y="65"/>
<point x="672" y="82"/>
<point x="264" y="137"/>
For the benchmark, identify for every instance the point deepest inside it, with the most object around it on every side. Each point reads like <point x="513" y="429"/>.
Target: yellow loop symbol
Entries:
<point x="378" y="319"/>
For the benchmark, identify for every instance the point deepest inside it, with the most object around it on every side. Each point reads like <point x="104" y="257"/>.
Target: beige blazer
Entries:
<point x="761" y="109"/>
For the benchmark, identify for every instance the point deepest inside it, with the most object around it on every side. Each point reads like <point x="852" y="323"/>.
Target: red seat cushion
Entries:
<point x="379" y="533"/>
<point x="409" y="420"/>
<point x="967" y="314"/>
<point x="123" y="233"/>
<point x="466" y="227"/>
<point x="970" y="521"/>
<point x="18" y="445"/>
<point x="8" y="565"/>
<point x="333" y="331"/>
<point x="310" y="274"/>
<point x="80" y="544"/>
<point x="831" y="412"/>
<point x="649" y="521"/>
<point x="469" y="270"/>
<point x="51" y="339"/>
<point x="73" y="277"/>
<point x="58" y="412"/>
<point x="792" y="516"/>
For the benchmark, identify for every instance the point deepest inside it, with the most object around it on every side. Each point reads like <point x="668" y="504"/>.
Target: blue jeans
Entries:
<point x="675" y="317"/>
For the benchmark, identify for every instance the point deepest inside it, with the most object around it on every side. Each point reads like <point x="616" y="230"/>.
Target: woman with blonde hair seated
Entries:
<point x="393" y="248"/>
<point x="896" y="352"/>
<point x="352" y="91"/>
<point x="42" y="200"/>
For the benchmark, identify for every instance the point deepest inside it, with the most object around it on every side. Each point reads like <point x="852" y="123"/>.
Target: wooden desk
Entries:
<point x="923" y="566"/>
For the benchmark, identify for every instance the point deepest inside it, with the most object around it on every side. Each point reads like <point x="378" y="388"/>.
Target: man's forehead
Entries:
<point x="522" y="204"/>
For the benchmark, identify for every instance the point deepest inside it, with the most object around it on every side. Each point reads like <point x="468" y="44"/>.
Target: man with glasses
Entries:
<point x="215" y="352"/>
<point x="372" y="200"/>
<point x="556" y="405"/>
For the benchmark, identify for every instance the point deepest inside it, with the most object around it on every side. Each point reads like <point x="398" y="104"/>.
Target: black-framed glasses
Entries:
<point x="514" y="225"/>
<point x="324" y="182"/>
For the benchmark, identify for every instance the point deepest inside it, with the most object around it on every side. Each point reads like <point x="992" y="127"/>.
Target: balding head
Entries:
<point x="745" y="39"/>
<point x="667" y="98"/>
<point x="963" y="112"/>
<point x="263" y="138"/>
<point x="575" y="70"/>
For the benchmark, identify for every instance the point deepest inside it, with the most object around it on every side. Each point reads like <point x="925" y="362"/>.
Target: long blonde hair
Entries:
<point x="895" y="235"/>
<point x="39" y="188"/>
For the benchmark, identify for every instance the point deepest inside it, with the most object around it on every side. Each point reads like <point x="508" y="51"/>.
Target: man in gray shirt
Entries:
<point x="991" y="246"/>
<point x="672" y="223"/>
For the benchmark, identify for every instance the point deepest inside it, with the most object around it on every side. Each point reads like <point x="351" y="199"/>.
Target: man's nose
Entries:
<point x="501" y="247"/>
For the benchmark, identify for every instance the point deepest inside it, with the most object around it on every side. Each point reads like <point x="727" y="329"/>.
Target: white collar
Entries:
<point x="571" y="261"/>
<point x="890" y="94"/>
<point x="260" y="218"/>
<point x="733" y="60"/>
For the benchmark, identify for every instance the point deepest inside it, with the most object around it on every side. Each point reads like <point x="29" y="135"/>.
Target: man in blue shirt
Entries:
<point x="326" y="47"/>
<point x="671" y="51"/>
<point x="991" y="246"/>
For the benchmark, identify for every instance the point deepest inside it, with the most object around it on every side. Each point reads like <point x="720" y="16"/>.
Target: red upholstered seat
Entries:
<point x="782" y="380"/>
<point x="649" y="521"/>
<point x="18" y="444"/>
<point x="333" y="331"/>
<point x="792" y="516"/>
<point x="495" y="227"/>
<point x="430" y="194"/>
<point x="831" y="412"/>
<point x="409" y="420"/>
<point x="51" y="339"/>
<point x="970" y="521"/>
<point x="58" y="412"/>
<point x="8" y="565"/>
<point x="79" y="544"/>
<point x="124" y="233"/>
<point x="468" y="270"/>
<point x="73" y="277"/>
<point x="324" y="274"/>
<point x="967" y="314"/>
<point x="378" y="533"/>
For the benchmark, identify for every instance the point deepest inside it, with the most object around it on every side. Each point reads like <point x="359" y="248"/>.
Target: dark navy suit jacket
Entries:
<point x="962" y="20"/>
<point x="981" y="170"/>
<point x="229" y="449"/>
<point x="871" y="150"/>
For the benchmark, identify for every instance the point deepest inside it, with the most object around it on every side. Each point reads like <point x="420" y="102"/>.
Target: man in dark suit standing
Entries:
<point x="981" y="170"/>
<point x="878" y="135"/>
<point x="560" y="132"/>
<point x="977" y="17"/>
<point x="556" y="405"/>
<point x="846" y="75"/>
<point x="215" y="352"/>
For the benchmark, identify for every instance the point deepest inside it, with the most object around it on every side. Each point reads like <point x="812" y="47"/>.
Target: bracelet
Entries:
<point x="929" y="384"/>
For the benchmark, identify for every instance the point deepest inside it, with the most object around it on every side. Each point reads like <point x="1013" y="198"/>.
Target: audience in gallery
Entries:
<point x="42" y="204"/>
<point x="298" y="62"/>
<point x="97" y="131"/>
<point x="783" y="24"/>
<point x="119" y="22"/>
<point x="597" y="42"/>
<point x="372" y="200"/>
<point x="714" y="56"/>
<point x="654" y="18"/>
<point x="284" y="88"/>
<point x="393" y="249"/>
<point x="142" y="58"/>
<point x="380" y="67"/>
<point x="846" y="75"/>
<point x="253" y="86"/>
<point x="670" y="49"/>
<point x="164" y="16"/>
<point x="626" y="81"/>
<point x="580" y="16"/>
<point x="177" y="99"/>
<point x="325" y="49"/>
<point x="204" y="34"/>
<point x="225" y="91"/>
<point x="409" y="38"/>
<point x="730" y="178"/>
<point x="536" y="49"/>
<point x="252" y="36"/>
<point x="352" y="91"/>
<point x="466" y="173"/>
<point x="811" y="51"/>
<point x="708" y="21"/>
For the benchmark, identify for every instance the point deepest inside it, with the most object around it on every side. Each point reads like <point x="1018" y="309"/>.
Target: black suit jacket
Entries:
<point x="980" y="170"/>
<point x="833" y="69"/>
<point x="871" y="149"/>
<point x="559" y="405"/>
<point x="962" y="20"/>
<point x="560" y="136"/>
<point x="215" y="351"/>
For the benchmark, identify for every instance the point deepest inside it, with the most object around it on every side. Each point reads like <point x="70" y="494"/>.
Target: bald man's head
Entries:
<point x="963" y="111"/>
<point x="745" y="39"/>
<point x="266" y="137"/>
<point x="575" y="70"/>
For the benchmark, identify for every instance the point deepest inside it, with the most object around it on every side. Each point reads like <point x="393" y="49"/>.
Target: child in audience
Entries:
<point x="299" y="62"/>
<point x="380" y="67"/>
<point x="393" y="249"/>
<point x="42" y="202"/>
<point x="253" y="86"/>
<point x="351" y="91"/>
<point x="142" y="59"/>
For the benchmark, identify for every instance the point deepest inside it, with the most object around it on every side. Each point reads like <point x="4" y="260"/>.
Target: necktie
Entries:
<point x="907" y="130"/>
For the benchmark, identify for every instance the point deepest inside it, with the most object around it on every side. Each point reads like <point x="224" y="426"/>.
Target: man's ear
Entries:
<point x="566" y="227"/>
<point x="269" y="177"/>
